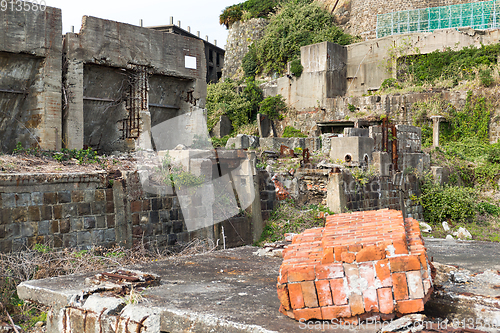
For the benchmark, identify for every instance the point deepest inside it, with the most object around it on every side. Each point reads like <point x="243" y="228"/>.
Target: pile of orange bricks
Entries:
<point x="362" y="265"/>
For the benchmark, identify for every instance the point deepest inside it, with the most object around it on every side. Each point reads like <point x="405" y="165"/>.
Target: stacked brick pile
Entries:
<point x="362" y="265"/>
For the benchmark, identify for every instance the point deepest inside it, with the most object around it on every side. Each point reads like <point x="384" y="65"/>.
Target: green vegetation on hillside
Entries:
<point x="449" y="65"/>
<point x="296" y="23"/>
<point x="242" y="107"/>
<point x="292" y="24"/>
<point x="247" y="10"/>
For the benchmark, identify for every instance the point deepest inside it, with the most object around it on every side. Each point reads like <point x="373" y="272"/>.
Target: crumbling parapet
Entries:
<point x="361" y="265"/>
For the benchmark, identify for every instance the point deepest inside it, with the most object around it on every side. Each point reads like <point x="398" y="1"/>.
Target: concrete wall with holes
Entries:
<point x="120" y="80"/>
<point x="30" y="78"/>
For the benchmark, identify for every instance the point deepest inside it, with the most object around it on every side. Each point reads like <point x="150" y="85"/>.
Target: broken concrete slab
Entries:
<point x="224" y="291"/>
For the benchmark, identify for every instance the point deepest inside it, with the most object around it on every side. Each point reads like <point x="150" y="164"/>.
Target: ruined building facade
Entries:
<point x="100" y="88"/>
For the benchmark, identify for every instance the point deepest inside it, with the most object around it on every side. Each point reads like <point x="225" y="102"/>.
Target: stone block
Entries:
<point x="8" y="200"/>
<point x="352" y="150"/>
<point x="351" y="131"/>
<point x="243" y="141"/>
<point x="222" y="128"/>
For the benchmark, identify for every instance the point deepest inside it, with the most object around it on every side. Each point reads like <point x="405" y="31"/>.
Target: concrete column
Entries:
<point x="73" y="122"/>
<point x="335" y="198"/>
<point x="435" y="130"/>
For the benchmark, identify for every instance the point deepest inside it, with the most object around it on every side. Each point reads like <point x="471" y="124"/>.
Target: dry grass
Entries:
<point x="43" y="262"/>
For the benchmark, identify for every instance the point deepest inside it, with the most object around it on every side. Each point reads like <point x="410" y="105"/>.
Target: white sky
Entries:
<point x="200" y="15"/>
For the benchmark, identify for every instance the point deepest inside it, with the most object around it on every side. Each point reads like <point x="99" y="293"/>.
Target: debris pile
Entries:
<point x="370" y="264"/>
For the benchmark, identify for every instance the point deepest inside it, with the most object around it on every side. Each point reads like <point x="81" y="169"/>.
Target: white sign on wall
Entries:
<point x="190" y="62"/>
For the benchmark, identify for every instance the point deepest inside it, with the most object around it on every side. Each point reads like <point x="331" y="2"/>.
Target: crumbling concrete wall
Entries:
<point x="358" y="69"/>
<point x="122" y="79"/>
<point x="30" y="79"/>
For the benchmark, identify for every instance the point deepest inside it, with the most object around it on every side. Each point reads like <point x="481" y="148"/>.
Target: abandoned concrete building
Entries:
<point x="214" y="55"/>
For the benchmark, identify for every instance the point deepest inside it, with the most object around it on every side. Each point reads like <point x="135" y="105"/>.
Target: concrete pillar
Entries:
<point x="73" y="95"/>
<point x="335" y="198"/>
<point x="435" y="130"/>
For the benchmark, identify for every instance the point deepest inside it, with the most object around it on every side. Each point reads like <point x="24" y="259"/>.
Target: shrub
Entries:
<point x="249" y="62"/>
<point x="454" y="65"/>
<point x="259" y="8"/>
<point x="230" y="15"/>
<point x="222" y="98"/>
<point x="296" y="68"/>
<point x="292" y="132"/>
<point x="441" y="202"/>
<point x="390" y="83"/>
<point x="273" y="106"/>
<point x="486" y="78"/>
<point x="296" y="23"/>
<point x="254" y="95"/>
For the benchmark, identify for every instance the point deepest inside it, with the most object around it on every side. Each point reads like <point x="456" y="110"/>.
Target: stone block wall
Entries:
<point x="379" y="192"/>
<point x="268" y="200"/>
<point x="81" y="210"/>
<point x="241" y="35"/>
<point x="60" y="210"/>
<point x="361" y="265"/>
<point x="363" y="14"/>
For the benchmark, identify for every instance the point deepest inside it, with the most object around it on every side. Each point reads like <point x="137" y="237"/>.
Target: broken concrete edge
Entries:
<point x="72" y="302"/>
<point x="178" y="321"/>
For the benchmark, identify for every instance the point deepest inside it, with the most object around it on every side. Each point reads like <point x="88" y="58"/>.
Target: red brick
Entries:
<point x="309" y="294"/>
<point x="415" y="285"/>
<point x="307" y="314"/>
<point x="352" y="273"/>
<point x="371" y="300"/>
<point x="338" y="252"/>
<point x="301" y="273"/>
<point x="348" y="257"/>
<point x="295" y="294"/>
<point x="369" y="253"/>
<point x="410" y="306"/>
<point x="338" y="291"/>
<point x="400" y="247"/>
<point x="386" y="302"/>
<point x="283" y="296"/>
<point x="288" y="313"/>
<point x="405" y="264"/>
<point x="283" y="277"/>
<point x="333" y="312"/>
<point x="327" y="256"/>
<point x="355" y="248"/>
<point x="367" y="272"/>
<point x="383" y="272"/>
<point x="330" y="271"/>
<point x="324" y="293"/>
<point x="400" y="286"/>
<point x="423" y="260"/>
<point x="356" y="304"/>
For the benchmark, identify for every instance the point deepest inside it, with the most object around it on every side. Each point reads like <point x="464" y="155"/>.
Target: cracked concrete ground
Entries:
<point x="235" y="291"/>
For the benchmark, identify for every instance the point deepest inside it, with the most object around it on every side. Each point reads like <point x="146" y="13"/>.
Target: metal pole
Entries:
<point x="408" y="14"/>
<point x="392" y="23"/>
